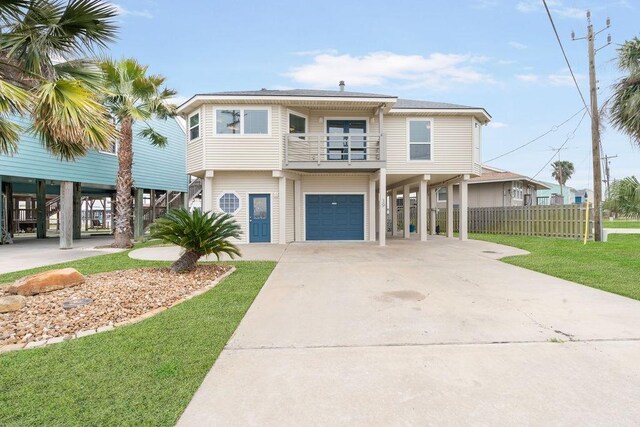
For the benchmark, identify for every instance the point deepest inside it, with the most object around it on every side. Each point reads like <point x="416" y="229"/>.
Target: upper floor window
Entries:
<point x="242" y="121"/>
<point x="194" y="126"/>
<point x="297" y="124"/>
<point x="420" y="138"/>
<point x="112" y="149"/>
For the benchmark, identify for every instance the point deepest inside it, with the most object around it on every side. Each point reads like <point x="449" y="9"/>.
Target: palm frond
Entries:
<point x="69" y="119"/>
<point x="157" y="140"/>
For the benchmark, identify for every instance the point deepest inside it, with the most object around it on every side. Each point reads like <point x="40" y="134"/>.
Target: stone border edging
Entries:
<point x="36" y="344"/>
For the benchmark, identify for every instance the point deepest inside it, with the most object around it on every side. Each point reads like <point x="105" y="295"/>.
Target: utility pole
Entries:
<point x="595" y="125"/>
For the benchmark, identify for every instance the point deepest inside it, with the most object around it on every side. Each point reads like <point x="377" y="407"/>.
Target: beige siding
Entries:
<point x="239" y="152"/>
<point x="291" y="212"/>
<point x="243" y="184"/>
<point x="491" y="194"/>
<point x="195" y="156"/>
<point x="452" y="146"/>
<point x="335" y="184"/>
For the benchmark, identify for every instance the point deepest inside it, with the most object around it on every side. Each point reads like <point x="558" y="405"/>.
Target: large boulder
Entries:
<point x="12" y="303"/>
<point x="46" y="282"/>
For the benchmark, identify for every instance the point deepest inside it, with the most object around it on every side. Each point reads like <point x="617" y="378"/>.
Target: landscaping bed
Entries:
<point x="112" y="298"/>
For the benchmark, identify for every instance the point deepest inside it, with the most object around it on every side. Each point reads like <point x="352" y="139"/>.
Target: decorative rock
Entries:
<point x="12" y="303"/>
<point x="46" y="282"/>
<point x="76" y="302"/>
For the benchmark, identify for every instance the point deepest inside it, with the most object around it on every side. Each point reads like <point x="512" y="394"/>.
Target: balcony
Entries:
<point x="334" y="151"/>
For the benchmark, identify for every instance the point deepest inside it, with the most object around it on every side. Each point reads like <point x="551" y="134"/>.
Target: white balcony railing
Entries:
<point x="333" y="148"/>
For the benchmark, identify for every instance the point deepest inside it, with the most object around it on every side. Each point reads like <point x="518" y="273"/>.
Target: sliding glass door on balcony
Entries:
<point x="338" y="146"/>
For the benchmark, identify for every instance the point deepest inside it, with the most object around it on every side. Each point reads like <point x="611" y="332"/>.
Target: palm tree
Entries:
<point x="562" y="171"/>
<point x="43" y="73"/>
<point x="624" y="197"/>
<point x="198" y="233"/>
<point x="133" y="96"/>
<point x="625" y="102"/>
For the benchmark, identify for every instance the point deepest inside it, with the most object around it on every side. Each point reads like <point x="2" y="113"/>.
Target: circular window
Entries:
<point x="229" y="203"/>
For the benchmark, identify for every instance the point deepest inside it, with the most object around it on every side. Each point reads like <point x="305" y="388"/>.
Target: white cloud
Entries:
<point x="517" y="45"/>
<point x="528" y="78"/>
<point x="179" y="99"/>
<point x="126" y="12"/>
<point x="560" y="78"/>
<point x="316" y="52"/>
<point x="556" y="6"/>
<point x="505" y="61"/>
<point x="436" y="71"/>
<point x="497" y="125"/>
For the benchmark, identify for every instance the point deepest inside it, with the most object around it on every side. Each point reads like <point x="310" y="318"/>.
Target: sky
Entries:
<point x="497" y="54"/>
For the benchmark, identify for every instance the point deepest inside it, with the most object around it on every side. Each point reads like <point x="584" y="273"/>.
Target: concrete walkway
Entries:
<point x="30" y="252"/>
<point x="253" y="252"/>
<point x="436" y="333"/>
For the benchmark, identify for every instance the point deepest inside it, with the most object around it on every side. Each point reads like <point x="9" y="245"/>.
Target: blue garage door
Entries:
<point x="334" y="216"/>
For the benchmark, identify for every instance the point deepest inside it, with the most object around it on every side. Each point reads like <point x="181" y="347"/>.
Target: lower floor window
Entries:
<point x="229" y="203"/>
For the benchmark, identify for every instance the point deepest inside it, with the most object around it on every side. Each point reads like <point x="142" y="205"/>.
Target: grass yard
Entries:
<point x="621" y="223"/>
<point x="142" y="374"/>
<point x="613" y="266"/>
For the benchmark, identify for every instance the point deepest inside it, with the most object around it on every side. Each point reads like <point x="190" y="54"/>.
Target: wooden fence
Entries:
<point x="552" y="221"/>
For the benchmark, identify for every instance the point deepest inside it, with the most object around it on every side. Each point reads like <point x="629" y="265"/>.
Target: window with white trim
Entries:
<point x="517" y="191"/>
<point x="194" y="126"/>
<point x="420" y="139"/>
<point x="112" y="149"/>
<point x="229" y="203"/>
<point x="442" y="194"/>
<point x="243" y="121"/>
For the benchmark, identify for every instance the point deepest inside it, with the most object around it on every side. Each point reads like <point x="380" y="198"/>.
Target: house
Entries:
<point x="304" y="165"/>
<point x="497" y="188"/>
<point x="555" y="195"/>
<point x="32" y="182"/>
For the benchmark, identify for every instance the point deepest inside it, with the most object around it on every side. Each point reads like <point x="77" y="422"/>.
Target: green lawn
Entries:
<point x="142" y="374"/>
<point x="620" y="223"/>
<point x="613" y="266"/>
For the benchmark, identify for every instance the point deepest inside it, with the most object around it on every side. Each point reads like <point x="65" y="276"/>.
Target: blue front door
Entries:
<point x="334" y="216"/>
<point x="259" y="218"/>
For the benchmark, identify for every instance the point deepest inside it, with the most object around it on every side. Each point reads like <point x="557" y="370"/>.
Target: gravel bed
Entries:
<point x="116" y="297"/>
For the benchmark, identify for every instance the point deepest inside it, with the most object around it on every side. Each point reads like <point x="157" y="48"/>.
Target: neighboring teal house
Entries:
<point x="569" y="195"/>
<point x="31" y="184"/>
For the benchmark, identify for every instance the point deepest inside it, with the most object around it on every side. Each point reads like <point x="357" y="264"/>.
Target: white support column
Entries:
<point x="382" y="208"/>
<point x="394" y="212"/>
<point x="207" y="192"/>
<point x="282" y="204"/>
<point x="297" y="185"/>
<point x="422" y="207"/>
<point x="433" y="206"/>
<point x="464" y="205"/>
<point x="372" y="209"/>
<point x="406" y="208"/>
<point x="450" y="210"/>
<point x="66" y="215"/>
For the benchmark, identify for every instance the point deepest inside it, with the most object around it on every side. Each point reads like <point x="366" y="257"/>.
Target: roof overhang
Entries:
<point x="479" y="113"/>
<point x="539" y="185"/>
<point x="294" y="100"/>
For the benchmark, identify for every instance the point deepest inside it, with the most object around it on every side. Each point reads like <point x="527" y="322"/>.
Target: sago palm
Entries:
<point x="625" y="102"/>
<point x="562" y="171"/>
<point x="198" y="234"/>
<point x="133" y="96"/>
<point x="44" y="73"/>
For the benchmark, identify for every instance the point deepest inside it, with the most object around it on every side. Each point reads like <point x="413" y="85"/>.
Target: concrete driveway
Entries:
<point x="436" y="333"/>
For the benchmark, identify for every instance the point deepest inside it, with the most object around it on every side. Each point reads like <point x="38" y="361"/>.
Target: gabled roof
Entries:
<point x="299" y="92"/>
<point x="490" y="174"/>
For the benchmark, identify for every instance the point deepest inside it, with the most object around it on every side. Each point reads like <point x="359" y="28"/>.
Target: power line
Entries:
<point x="570" y="136"/>
<point x="553" y="129"/>
<point x="566" y="59"/>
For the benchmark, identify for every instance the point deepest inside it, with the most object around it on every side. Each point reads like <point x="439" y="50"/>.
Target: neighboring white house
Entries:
<point x="299" y="165"/>
<point x="497" y="188"/>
